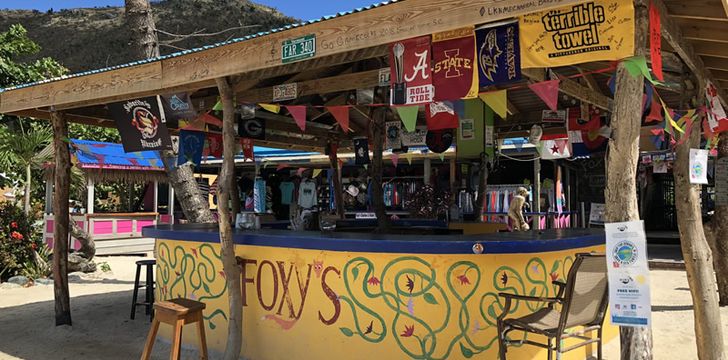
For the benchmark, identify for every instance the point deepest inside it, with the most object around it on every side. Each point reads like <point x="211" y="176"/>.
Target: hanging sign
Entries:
<point x="453" y="70"/>
<point x="593" y="31"/>
<point x="251" y="128"/>
<point x="361" y="151"/>
<point x="659" y="164"/>
<point x="191" y="144"/>
<point x="415" y="138"/>
<point x="247" y="111"/>
<point x="411" y="71"/>
<point x="628" y="273"/>
<point x="393" y="133"/>
<point x="285" y="92"/>
<point x="140" y="124"/>
<point x="698" y="166"/>
<point x="558" y="116"/>
<point x="298" y="49"/>
<point x="248" y="149"/>
<point x="596" y="214"/>
<point x="438" y="141"/>
<point x="214" y="145"/>
<point x="441" y="115"/>
<point x="466" y="131"/>
<point x="499" y="55"/>
<point x="178" y="107"/>
<point x="385" y="74"/>
<point x="721" y="181"/>
<point x="716" y="112"/>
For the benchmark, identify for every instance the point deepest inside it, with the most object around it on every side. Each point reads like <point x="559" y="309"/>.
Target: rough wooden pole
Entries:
<point x="225" y="187"/>
<point x="140" y="22"/>
<point x="336" y="178"/>
<point x="697" y="254"/>
<point x="716" y="232"/>
<point x="482" y="187"/>
<point x="376" y="167"/>
<point x="62" y="179"/>
<point x="621" y="190"/>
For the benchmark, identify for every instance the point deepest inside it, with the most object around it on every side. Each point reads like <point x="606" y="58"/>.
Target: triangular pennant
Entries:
<point x="497" y="101"/>
<point x="281" y="166"/>
<point x="395" y="159"/>
<point x="299" y="114"/>
<point x="341" y="163"/>
<point x="300" y="171"/>
<point x="408" y="156"/>
<point x="408" y="114"/>
<point x="548" y="91"/>
<point x="442" y="156"/>
<point x="655" y="114"/>
<point x="210" y="119"/>
<point x="637" y="65"/>
<point x="218" y="106"/>
<point x="518" y="144"/>
<point x="366" y="166"/>
<point x="341" y="114"/>
<point x="316" y="172"/>
<point x="274" y="108"/>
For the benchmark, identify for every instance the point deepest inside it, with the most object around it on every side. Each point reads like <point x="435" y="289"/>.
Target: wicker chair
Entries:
<point x="583" y="299"/>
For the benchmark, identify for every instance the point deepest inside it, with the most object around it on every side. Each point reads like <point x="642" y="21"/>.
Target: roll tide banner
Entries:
<point x="499" y="56"/>
<point x="453" y="70"/>
<point x="593" y="31"/>
<point x="140" y="124"/>
<point x="411" y="71"/>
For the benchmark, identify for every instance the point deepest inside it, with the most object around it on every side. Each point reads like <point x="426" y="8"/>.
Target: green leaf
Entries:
<point x="554" y="268"/>
<point x="491" y="312"/>
<point x="355" y="272"/>
<point x="466" y="352"/>
<point x="532" y="292"/>
<point x="207" y="288"/>
<point x="346" y="331"/>
<point x="430" y="299"/>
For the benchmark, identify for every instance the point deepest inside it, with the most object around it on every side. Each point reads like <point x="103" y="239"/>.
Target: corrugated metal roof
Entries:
<point x="185" y="52"/>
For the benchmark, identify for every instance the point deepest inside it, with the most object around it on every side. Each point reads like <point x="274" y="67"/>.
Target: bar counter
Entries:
<point x="335" y="295"/>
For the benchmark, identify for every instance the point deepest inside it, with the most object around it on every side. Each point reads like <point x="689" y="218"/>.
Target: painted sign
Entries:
<point x="140" y="124"/>
<point x="558" y="116"/>
<point x="251" y="128"/>
<point x="499" y="55"/>
<point x="358" y="305"/>
<point x="596" y="214"/>
<point x="415" y="138"/>
<point x="285" y="92"/>
<point x="385" y="74"/>
<point x="298" y="49"/>
<point x="721" y="181"/>
<point x="698" y="162"/>
<point x="411" y="71"/>
<point x="178" y="107"/>
<point x="586" y="32"/>
<point x="629" y="275"/>
<point x="191" y="145"/>
<point x="453" y="73"/>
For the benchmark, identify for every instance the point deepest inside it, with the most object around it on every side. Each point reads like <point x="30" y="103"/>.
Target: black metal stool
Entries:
<point x="148" y="287"/>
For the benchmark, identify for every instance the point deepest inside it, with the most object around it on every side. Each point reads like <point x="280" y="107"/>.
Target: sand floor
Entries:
<point x="102" y="329"/>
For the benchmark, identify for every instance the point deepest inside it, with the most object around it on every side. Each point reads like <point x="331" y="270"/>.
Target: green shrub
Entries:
<point x="19" y="239"/>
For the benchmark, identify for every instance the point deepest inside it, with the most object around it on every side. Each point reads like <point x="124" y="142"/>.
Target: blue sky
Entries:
<point x="306" y="10"/>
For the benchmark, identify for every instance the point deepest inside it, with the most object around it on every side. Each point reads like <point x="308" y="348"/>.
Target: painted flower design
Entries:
<point x="411" y="307"/>
<point x="222" y="273"/>
<point x="463" y="279"/>
<point x="534" y="268"/>
<point x="408" y="331"/>
<point x="373" y="281"/>
<point x="194" y="252"/>
<point x="16" y="235"/>
<point x="504" y="278"/>
<point x="410" y="284"/>
<point x="554" y="276"/>
<point x="369" y="328"/>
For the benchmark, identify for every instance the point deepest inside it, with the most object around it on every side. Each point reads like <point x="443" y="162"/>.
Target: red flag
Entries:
<point x="441" y="115"/>
<point x="341" y="114"/>
<point x="655" y="111"/>
<point x="299" y="114"/>
<point x="300" y="171"/>
<point x="210" y="119"/>
<point x="453" y="70"/>
<point x="656" y="42"/>
<point x="248" y="152"/>
<point x="411" y="75"/>
<point x="281" y="166"/>
<point x="214" y="145"/>
<point x="395" y="159"/>
<point x="548" y="91"/>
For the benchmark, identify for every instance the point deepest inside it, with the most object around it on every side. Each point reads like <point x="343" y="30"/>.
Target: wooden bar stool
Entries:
<point x="177" y="312"/>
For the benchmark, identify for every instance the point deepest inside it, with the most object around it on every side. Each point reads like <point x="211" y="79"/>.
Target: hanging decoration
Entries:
<point x="440" y="115"/>
<point x="395" y="159"/>
<point x="636" y="66"/>
<point x="548" y="91"/>
<point x="140" y="124"/>
<point x="341" y="114"/>
<point x="587" y="136"/>
<point x="553" y="149"/>
<point x="499" y="54"/>
<point x="411" y="68"/>
<point x="576" y="34"/>
<point x="453" y="74"/>
<point x="656" y="41"/>
<point x="698" y="166"/>
<point x="191" y="144"/>
<point x="361" y="151"/>
<point x="393" y="131"/>
<point x="251" y="128"/>
<point x="415" y="138"/>
<point x="178" y="108"/>
<point x="217" y="106"/>
<point x="214" y="145"/>
<point x="408" y="115"/>
<point x="497" y="101"/>
<point x="299" y="115"/>
<point x="248" y="148"/>
<point x="471" y="130"/>
<point x="438" y="141"/>
<point x="655" y="114"/>
<point x="316" y="173"/>
<point x="717" y="119"/>
<point x="274" y="108"/>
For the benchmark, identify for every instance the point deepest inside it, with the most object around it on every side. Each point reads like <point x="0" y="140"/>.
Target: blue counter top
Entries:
<point x="498" y="243"/>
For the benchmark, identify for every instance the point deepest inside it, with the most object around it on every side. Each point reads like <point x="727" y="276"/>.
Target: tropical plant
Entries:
<point x="19" y="240"/>
<point x="40" y="267"/>
<point x="21" y="151"/>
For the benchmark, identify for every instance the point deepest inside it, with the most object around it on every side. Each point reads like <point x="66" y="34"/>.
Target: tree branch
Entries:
<point x="198" y="33"/>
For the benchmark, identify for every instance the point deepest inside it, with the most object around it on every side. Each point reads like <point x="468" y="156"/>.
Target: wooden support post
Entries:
<point x="620" y="192"/>
<point x="718" y="226"/>
<point x="62" y="179"/>
<point x="226" y="185"/>
<point x="155" y="203"/>
<point x="336" y="178"/>
<point x="536" y="193"/>
<point x="90" y="194"/>
<point x="49" y="196"/>
<point x="376" y="167"/>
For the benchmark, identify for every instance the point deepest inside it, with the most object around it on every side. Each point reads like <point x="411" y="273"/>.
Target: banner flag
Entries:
<point x="361" y="151"/>
<point x="497" y="101"/>
<point x="214" y="145"/>
<point x="454" y="62"/>
<point x="393" y="135"/>
<point x="251" y="128"/>
<point x="341" y="114"/>
<point x="178" y="108"/>
<point x="248" y="149"/>
<point x="440" y="115"/>
<point x="408" y="115"/>
<point x="395" y="159"/>
<point x="191" y="144"/>
<point x="274" y="108"/>
<point x="555" y="149"/>
<point x="411" y="78"/>
<point x="548" y="91"/>
<point x="299" y="115"/>
<point x="656" y="42"/>
<point x="140" y="124"/>
<point x="594" y="31"/>
<point x="499" y="54"/>
<point x="717" y="120"/>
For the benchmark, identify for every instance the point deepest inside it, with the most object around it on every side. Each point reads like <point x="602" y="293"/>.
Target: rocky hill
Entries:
<point x="92" y="38"/>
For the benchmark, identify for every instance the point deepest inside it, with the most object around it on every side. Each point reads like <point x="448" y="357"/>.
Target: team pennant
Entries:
<point x="408" y="114"/>
<point x="299" y="114"/>
<point x="395" y="159"/>
<point x="274" y="108"/>
<point x="341" y="114"/>
<point x="497" y="101"/>
<point x="548" y="91"/>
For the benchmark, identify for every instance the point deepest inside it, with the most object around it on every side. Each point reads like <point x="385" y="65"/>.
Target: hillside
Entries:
<point x="85" y="39"/>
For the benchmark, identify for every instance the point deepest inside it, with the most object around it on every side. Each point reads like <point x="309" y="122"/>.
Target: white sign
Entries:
<point x="558" y="116"/>
<point x="384" y="76"/>
<point x="365" y="216"/>
<point x="698" y="166"/>
<point x="415" y="138"/>
<point x="467" y="129"/>
<point x="628" y="273"/>
<point x="596" y="214"/>
<point x="721" y="181"/>
<point x="285" y="92"/>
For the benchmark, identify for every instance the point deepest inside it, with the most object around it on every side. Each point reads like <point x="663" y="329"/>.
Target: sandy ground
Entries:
<point x="102" y="328"/>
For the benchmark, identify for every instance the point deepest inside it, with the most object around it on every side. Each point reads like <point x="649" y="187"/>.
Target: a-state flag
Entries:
<point x="454" y="75"/>
<point x="499" y="54"/>
<point x="140" y="124"/>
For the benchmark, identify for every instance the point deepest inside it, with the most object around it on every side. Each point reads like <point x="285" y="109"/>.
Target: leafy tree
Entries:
<point x="15" y="43"/>
<point x="21" y="152"/>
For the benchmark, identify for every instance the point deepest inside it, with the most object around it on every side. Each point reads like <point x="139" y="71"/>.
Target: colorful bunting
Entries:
<point x="655" y="114"/>
<point x="218" y="106"/>
<point x="408" y="156"/>
<point x="717" y="118"/>
<point x="548" y="91"/>
<point x="299" y="115"/>
<point x="300" y="171"/>
<point x="214" y="145"/>
<point x="636" y="66"/>
<point x="282" y="166"/>
<point x="497" y="101"/>
<point x="395" y="159"/>
<point x="441" y="156"/>
<point x="274" y="108"/>
<point x="341" y="114"/>
<point x="408" y="114"/>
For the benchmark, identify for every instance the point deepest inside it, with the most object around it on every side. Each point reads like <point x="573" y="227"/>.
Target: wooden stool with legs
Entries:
<point x="177" y="312"/>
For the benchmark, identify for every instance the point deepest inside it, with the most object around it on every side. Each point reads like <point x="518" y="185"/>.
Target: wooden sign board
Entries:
<point x="285" y="92"/>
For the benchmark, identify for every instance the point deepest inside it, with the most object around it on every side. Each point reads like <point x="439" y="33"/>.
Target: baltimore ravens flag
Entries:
<point x="499" y="54"/>
<point x="140" y="124"/>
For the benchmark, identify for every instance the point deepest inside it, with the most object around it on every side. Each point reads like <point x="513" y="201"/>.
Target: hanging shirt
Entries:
<point x="286" y="192"/>
<point x="307" y="194"/>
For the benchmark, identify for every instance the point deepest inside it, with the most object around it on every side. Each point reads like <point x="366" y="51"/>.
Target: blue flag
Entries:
<point x="499" y="54"/>
<point x="191" y="144"/>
